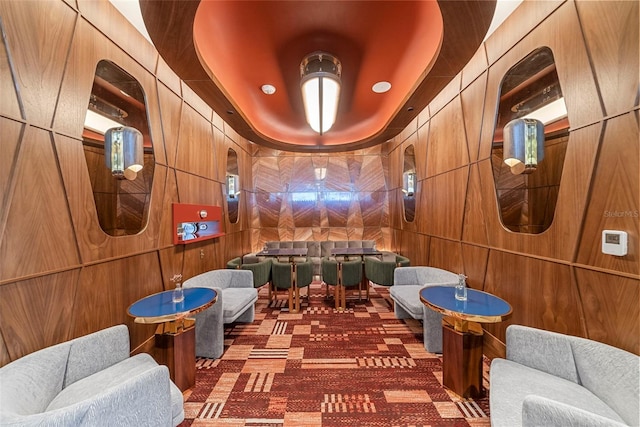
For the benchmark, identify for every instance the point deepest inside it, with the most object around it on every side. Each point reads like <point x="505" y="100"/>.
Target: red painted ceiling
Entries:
<point x="226" y="50"/>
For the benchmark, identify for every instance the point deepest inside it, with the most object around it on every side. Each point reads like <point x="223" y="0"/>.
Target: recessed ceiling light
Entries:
<point x="381" y="87"/>
<point x="269" y="89"/>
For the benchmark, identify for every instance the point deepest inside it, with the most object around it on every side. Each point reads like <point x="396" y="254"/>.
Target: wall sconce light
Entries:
<point x="320" y="83"/>
<point x="123" y="153"/>
<point x="320" y="173"/>
<point x="409" y="183"/>
<point x="233" y="186"/>
<point x="523" y="146"/>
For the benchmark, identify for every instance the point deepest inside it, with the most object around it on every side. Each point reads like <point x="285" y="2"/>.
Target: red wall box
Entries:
<point x="193" y="223"/>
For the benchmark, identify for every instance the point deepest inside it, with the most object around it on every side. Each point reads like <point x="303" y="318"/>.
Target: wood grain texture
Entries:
<point x="541" y="294"/>
<point x="10" y="107"/>
<point x="107" y="289"/>
<point x="11" y="136"/>
<point x="447" y="148"/>
<point x="31" y="232"/>
<point x="170" y="114"/>
<point x="38" y="312"/>
<point x="475" y="223"/>
<point x="615" y="198"/>
<point x="39" y="63"/>
<point x="195" y="151"/>
<point x="443" y="213"/>
<point x="613" y="50"/>
<point x="611" y="308"/>
<point x="475" y="259"/>
<point x="472" y="99"/>
<point x="446" y="254"/>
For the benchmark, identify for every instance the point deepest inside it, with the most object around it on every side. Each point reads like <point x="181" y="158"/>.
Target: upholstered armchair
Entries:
<point x="89" y="381"/>
<point x="261" y="270"/>
<point x="282" y="276"/>
<point x="405" y="293"/>
<point x="236" y="303"/>
<point x="350" y="277"/>
<point x="380" y="271"/>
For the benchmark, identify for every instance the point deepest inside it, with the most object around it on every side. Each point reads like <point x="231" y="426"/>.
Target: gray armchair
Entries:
<point x="552" y="379"/>
<point x="405" y="294"/>
<point x="236" y="303"/>
<point x="89" y="381"/>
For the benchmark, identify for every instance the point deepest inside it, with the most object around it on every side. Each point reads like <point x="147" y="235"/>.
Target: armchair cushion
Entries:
<point x="550" y="377"/>
<point x="90" y="380"/>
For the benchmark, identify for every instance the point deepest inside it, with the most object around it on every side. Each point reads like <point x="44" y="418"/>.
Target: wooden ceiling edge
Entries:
<point x="181" y="56"/>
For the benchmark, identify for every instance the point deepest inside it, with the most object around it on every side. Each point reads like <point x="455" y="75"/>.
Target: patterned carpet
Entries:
<point x="322" y="367"/>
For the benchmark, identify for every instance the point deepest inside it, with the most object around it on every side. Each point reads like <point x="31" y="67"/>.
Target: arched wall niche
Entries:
<point x="409" y="182"/>
<point x="117" y="100"/>
<point x="233" y="186"/>
<point x="530" y="90"/>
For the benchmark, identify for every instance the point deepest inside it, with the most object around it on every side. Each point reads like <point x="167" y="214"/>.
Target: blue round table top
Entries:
<point x="479" y="307"/>
<point x="160" y="307"/>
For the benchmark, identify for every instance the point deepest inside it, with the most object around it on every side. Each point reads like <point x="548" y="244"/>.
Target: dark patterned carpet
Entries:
<point x="322" y="367"/>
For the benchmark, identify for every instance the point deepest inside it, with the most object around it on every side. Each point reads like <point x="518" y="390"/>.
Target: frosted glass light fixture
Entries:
<point x="320" y="83"/>
<point x="123" y="152"/>
<point x="409" y="183"/>
<point x="233" y="186"/>
<point x="523" y="146"/>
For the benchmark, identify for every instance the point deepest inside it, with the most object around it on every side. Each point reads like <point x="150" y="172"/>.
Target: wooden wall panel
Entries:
<point x="472" y="107"/>
<point x="475" y="265"/>
<point x="475" y="224"/>
<point x="476" y="66"/>
<point x="446" y="254"/>
<point x="170" y="113"/>
<point x="38" y="233"/>
<point x="106" y="18"/>
<point x="542" y="294"/>
<point x="39" y="62"/>
<point x="443" y="213"/>
<point x="11" y="137"/>
<point x="615" y="198"/>
<point x="38" y="312"/>
<point x="611" y="308"/>
<point x="195" y="145"/>
<point x="613" y="50"/>
<point x="447" y="148"/>
<point x="10" y="106"/>
<point x="107" y="289"/>
<point x="50" y="239"/>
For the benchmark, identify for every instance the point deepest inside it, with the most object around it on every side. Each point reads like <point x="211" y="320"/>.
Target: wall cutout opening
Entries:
<point x="529" y="143"/>
<point x="118" y="150"/>
<point x="409" y="182"/>
<point x="233" y="186"/>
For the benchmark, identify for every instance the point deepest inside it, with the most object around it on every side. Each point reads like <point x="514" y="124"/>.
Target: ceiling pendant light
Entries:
<point x="523" y="145"/>
<point x="320" y="83"/>
<point x="123" y="152"/>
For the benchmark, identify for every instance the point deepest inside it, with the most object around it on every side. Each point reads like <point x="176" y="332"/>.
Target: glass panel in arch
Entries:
<point x="116" y="135"/>
<point x="409" y="182"/>
<point x="529" y="144"/>
<point x="233" y="186"/>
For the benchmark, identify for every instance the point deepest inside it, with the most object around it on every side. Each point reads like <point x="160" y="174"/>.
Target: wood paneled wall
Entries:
<point x="557" y="280"/>
<point x="350" y="203"/>
<point x="61" y="276"/>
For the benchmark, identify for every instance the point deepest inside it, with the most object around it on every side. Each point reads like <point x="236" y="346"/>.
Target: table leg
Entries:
<point x="462" y="359"/>
<point x="178" y="352"/>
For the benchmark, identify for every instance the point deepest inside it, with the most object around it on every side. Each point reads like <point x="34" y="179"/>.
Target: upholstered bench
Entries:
<point x="236" y="303"/>
<point x="405" y="293"/>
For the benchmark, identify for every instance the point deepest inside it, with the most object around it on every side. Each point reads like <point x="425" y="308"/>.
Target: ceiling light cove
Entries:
<point x="224" y="50"/>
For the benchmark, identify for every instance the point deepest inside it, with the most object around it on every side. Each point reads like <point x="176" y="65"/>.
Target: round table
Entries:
<point x="175" y="335"/>
<point x="462" y="335"/>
